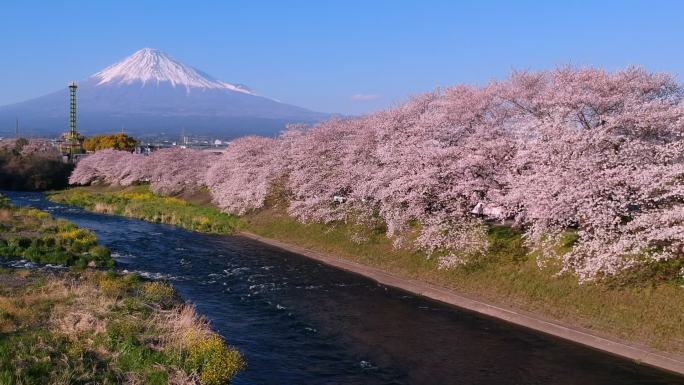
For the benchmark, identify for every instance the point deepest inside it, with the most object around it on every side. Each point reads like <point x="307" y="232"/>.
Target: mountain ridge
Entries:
<point x="150" y="93"/>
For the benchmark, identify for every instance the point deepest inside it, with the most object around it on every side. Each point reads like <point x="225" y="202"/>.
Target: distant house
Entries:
<point x="493" y="212"/>
<point x="145" y="149"/>
<point x="339" y="199"/>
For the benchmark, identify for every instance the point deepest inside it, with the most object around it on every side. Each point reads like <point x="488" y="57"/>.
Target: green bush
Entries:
<point x="114" y="286"/>
<point x="50" y="241"/>
<point x="159" y="292"/>
<point x="215" y="362"/>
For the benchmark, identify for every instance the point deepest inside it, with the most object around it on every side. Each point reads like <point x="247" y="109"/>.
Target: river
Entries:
<point x="298" y="321"/>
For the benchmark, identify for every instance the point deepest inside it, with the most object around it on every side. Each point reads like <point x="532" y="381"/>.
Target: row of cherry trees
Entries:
<point x="169" y="171"/>
<point x="582" y="150"/>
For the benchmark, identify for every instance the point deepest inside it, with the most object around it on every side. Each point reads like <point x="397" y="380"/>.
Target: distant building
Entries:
<point x="145" y="149"/>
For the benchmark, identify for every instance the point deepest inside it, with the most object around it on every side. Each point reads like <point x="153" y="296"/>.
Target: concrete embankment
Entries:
<point x="670" y="362"/>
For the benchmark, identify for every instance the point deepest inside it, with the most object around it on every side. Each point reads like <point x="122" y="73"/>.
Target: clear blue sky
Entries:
<point x="320" y="53"/>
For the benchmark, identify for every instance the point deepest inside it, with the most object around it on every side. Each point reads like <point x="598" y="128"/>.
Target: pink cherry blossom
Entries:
<point x="241" y="178"/>
<point x="175" y="170"/>
<point x="569" y="150"/>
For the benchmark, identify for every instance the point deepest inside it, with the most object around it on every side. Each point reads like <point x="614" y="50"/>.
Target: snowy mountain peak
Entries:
<point x="152" y="66"/>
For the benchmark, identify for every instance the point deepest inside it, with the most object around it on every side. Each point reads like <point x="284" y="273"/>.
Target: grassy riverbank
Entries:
<point x="643" y="311"/>
<point x="649" y="314"/>
<point x="93" y="327"/>
<point x="139" y="202"/>
<point x="80" y="326"/>
<point x="34" y="235"/>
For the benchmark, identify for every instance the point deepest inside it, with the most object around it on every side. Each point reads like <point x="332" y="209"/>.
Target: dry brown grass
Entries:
<point x="179" y="377"/>
<point x="181" y="325"/>
<point x="93" y="327"/>
<point x="82" y="321"/>
<point x="5" y="215"/>
<point x="85" y="312"/>
<point x="11" y="313"/>
<point x="75" y="306"/>
<point x="103" y="208"/>
<point x="23" y="311"/>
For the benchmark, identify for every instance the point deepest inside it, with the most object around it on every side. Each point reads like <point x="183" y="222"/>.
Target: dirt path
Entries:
<point x="641" y="354"/>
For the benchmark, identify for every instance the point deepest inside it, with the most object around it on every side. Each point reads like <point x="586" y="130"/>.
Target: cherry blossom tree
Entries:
<point x="241" y="178"/>
<point x="574" y="150"/>
<point x="440" y="154"/>
<point x="176" y="170"/>
<point x="600" y="154"/>
<point x="110" y="167"/>
<point x="330" y="160"/>
<point x="426" y="162"/>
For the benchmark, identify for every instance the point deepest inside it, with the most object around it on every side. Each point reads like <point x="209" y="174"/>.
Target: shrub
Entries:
<point x="115" y="141"/>
<point x="158" y="292"/>
<point x="215" y="362"/>
<point x="113" y="286"/>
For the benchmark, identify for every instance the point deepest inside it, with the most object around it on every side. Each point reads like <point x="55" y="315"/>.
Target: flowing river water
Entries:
<point x="298" y="321"/>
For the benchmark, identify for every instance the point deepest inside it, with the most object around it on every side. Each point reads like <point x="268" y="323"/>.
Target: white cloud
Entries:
<point x="365" y="97"/>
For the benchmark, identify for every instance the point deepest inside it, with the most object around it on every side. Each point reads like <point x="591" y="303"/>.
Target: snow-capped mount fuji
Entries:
<point x="150" y="93"/>
<point x="153" y="66"/>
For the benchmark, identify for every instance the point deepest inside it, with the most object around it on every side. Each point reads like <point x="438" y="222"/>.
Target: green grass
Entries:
<point x="34" y="235"/>
<point x="83" y="326"/>
<point x="104" y="328"/>
<point x="139" y="202"/>
<point x="649" y="312"/>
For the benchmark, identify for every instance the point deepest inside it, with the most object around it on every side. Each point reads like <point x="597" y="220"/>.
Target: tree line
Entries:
<point x="37" y="164"/>
<point x="571" y="153"/>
